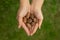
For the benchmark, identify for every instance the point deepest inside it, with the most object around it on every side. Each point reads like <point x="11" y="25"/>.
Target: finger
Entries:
<point x="19" y="26"/>
<point x="19" y="22"/>
<point x="19" y="18"/>
<point x="26" y="29"/>
<point x="35" y="29"/>
<point x="40" y="23"/>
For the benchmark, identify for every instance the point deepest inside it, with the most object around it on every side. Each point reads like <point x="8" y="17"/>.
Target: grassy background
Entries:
<point x="8" y="24"/>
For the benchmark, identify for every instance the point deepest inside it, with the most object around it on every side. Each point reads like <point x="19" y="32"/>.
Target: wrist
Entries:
<point x="35" y="7"/>
<point x="37" y="4"/>
<point x="24" y="2"/>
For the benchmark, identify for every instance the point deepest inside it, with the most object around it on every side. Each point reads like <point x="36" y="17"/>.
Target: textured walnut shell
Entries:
<point x="30" y="20"/>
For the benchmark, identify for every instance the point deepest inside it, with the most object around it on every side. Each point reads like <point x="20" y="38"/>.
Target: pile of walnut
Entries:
<point x="30" y="20"/>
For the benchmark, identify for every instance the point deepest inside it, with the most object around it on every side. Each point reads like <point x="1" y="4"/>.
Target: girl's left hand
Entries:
<point x="38" y="14"/>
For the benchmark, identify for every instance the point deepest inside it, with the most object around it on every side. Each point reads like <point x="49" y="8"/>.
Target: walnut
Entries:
<point x="30" y="20"/>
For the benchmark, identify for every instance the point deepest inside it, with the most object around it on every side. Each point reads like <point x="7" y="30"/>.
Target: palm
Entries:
<point x="21" y="13"/>
<point x="39" y="16"/>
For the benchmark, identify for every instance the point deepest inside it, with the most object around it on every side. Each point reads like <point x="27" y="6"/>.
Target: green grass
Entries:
<point x="8" y="24"/>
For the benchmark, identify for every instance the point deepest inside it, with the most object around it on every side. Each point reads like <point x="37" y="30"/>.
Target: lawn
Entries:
<point x="50" y="29"/>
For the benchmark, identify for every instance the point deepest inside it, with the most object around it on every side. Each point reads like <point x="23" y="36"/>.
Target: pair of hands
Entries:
<point x="23" y="11"/>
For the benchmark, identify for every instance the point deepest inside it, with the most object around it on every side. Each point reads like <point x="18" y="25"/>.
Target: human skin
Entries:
<point x="26" y="7"/>
<point x="22" y="11"/>
<point x="36" y="7"/>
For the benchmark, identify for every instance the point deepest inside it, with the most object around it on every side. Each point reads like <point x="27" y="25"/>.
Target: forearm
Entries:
<point x="37" y="3"/>
<point x="24" y="2"/>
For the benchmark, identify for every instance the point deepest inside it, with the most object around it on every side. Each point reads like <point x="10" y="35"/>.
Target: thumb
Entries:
<point x="19" y="26"/>
<point x="40" y="23"/>
<point x="19" y="22"/>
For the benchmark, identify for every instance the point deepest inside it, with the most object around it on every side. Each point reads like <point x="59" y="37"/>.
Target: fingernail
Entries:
<point x="31" y="35"/>
<point x="39" y="27"/>
<point x="19" y="26"/>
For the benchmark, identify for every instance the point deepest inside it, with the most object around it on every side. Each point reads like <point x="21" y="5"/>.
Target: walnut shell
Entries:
<point x="30" y="20"/>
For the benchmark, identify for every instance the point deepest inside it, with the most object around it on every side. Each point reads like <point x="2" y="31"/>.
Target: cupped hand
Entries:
<point x="21" y="13"/>
<point x="39" y="15"/>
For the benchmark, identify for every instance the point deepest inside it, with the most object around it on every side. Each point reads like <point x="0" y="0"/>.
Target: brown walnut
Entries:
<point x="30" y="20"/>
